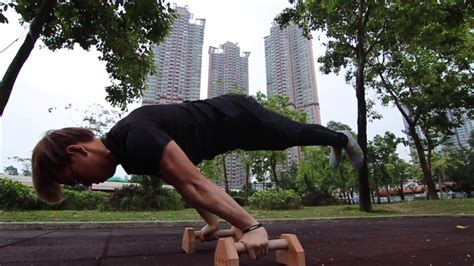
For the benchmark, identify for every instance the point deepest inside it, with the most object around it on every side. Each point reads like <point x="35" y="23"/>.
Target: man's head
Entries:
<point x="69" y="156"/>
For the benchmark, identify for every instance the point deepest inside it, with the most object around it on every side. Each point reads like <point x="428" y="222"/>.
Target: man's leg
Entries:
<point x="273" y="131"/>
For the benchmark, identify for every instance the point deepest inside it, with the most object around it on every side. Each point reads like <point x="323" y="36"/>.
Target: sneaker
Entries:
<point x="354" y="151"/>
<point x="335" y="157"/>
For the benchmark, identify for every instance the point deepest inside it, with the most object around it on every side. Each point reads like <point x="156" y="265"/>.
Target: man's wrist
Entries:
<point x="214" y="223"/>
<point x="252" y="227"/>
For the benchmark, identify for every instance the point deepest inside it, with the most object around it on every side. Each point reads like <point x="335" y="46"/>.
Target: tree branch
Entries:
<point x="399" y="105"/>
<point x="36" y="26"/>
<point x="376" y="39"/>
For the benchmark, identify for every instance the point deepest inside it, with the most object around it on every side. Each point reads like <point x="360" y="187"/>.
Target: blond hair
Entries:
<point x="50" y="156"/>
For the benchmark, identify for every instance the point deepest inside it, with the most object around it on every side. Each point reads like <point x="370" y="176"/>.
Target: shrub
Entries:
<point x="16" y="196"/>
<point x="241" y="196"/>
<point x="319" y="198"/>
<point x="138" y="198"/>
<point x="275" y="200"/>
<point x="240" y="200"/>
<point x="170" y="199"/>
<point x="81" y="200"/>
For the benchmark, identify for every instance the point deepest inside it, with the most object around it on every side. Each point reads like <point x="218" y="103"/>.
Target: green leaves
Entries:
<point x="423" y="66"/>
<point x="387" y="168"/>
<point x="212" y="168"/>
<point x="122" y="31"/>
<point x="275" y="200"/>
<point x="3" y="8"/>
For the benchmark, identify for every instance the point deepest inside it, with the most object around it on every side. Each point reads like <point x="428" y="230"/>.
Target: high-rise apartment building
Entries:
<point x="290" y="72"/>
<point x="290" y="69"/>
<point x="178" y="62"/>
<point x="462" y="134"/>
<point x="229" y="71"/>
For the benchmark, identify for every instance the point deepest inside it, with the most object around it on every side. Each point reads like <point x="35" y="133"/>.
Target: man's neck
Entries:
<point x="104" y="151"/>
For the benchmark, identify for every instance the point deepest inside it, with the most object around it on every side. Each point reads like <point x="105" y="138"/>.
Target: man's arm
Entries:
<point x="178" y="171"/>
<point x="207" y="231"/>
<point x="210" y="218"/>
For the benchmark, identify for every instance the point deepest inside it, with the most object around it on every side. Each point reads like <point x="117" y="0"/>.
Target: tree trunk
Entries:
<point x="343" y="184"/>
<point x="36" y="26"/>
<point x="440" y="185"/>
<point x="388" y="193"/>
<point x="346" y="197"/>
<point x="247" y="181"/>
<point x="402" y="195"/>
<point x="431" y="193"/>
<point x="226" y="185"/>
<point x="364" y="189"/>
<point x="378" y="196"/>
<point x="273" y="166"/>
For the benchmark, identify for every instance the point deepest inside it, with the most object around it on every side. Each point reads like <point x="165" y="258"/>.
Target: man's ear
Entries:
<point x="76" y="149"/>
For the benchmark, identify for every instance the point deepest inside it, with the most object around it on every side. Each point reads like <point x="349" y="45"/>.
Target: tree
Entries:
<point x="353" y="29"/>
<point x="362" y="34"/>
<point x="382" y="155"/>
<point x="149" y="182"/>
<point x="438" y="169"/>
<point x="400" y="171"/>
<point x="425" y="69"/>
<point x="211" y="169"/>
<point x="247" y="158"/>
<point x="100" y="119"/>
<point x="123" y="31"/>
<point x="96" y="117"/>
<point x="26" y="164"/>
<point x="314" y="173"/>
<point x="460" y="167"/>
<point x="288" y="179"/>
<point x="267" y="161"/>
<point x="11" y="170"/>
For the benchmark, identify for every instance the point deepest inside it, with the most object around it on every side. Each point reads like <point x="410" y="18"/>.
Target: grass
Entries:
<point x="421" y="207"/>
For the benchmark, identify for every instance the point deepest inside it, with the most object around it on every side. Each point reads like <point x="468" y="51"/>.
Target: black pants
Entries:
<point x="254" y="127"/>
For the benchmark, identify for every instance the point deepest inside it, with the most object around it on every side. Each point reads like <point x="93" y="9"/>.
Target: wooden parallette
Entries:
<point x="288" y="251"/>
<point x="190" y="237"/>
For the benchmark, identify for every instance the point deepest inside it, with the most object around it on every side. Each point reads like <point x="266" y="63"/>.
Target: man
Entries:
<point x="168" y="141"/>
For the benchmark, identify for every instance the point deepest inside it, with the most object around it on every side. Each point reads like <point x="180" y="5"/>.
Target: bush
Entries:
<point x="240" y="200"/>
<point x="16" y="196"/>
<point x="137" y="198"/>
<point x="170" y="199"/>
<point x="81" y="200"/>
<point x="319" y="198"/>
<point x="275" y="200"/>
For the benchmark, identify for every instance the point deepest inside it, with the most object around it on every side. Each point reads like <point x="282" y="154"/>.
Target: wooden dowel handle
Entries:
<point x="272" y="245"/>
<point x="218" y="233"/>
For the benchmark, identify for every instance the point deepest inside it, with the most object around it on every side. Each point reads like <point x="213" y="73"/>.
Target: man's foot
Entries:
<point x="353" y="150"/>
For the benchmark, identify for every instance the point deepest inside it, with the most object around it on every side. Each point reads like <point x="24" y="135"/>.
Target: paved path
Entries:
<point x="411" y="241"/>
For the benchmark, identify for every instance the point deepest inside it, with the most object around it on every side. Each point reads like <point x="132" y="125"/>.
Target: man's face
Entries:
<point x="86" y="172"/>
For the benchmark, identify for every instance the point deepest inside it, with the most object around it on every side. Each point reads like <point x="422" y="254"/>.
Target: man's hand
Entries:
<point x="256" y="242"/>
<point x="207" y="232"/>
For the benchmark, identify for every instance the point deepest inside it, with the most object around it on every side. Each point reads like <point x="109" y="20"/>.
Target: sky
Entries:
<point x="56" y="79"/>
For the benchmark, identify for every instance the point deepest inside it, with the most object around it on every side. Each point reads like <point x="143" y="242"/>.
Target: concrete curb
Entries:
<point x="195" y="223"/>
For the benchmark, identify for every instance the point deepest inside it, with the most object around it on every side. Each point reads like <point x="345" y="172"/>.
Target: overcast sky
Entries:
<point x="77" y="77"/>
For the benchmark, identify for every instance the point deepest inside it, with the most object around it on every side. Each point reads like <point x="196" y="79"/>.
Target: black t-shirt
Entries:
<point x="201" y="128"/>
